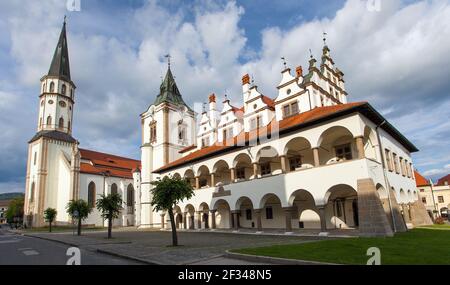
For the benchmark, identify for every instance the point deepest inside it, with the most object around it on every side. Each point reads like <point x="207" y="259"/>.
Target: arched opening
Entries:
<point x="370" y="143"/>
<point x="63" y="89"/>
<point x="336" y="144"/>
<point x="269" y="161"/>
<point x="246" y="213"/>
<point x="32" y="192"/>
<point x="52" y="87"/>
<point x="381" y="191"/>
<point x="223" y="214"/>
<point x="298" y="154"/>
<point x="176" y="175"/>
<point x="222" y="173"/>
<point x="49" y="121"/>
<point x="204" y="176"/>
<point x="178" y="216"/>
<point x="243" y="167"/>
<point x="114" y="188"/>
<point x="189" y="212"/>
<point x="91" y="194"/>
<point x="130" y="199"/>
<point x="190" y="177"/>
<point x="341" y="210"/>
<point x="68" y="126"/>
<point x="272" y="215"/>
<point x="61" y="123"/>
<point x="307" y="215"/>
<point x="204" y="215"/>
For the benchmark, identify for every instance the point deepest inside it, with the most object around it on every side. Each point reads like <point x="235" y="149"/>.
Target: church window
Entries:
<point x="40" y="122"/>
<point x="130" y="199"/>
<point x="32" y="192"/>
<point x="265" y="168"/>
<point x="344" y="152"/>
<point x="182" y="132"/>
<point x="61" y="123"/>
<point x="52" y="87"/>
<point x="63" y="89"/>
<point x="71" y="93"/>
<point x="91" y="194"/>
<point x="114" y="188"/>
<point x="35" y="158"/>
<point x="49" y="120"/>
<point x="295" y="162"/>
<point x="396" y="168"/>
<point x="290" y="109"/>
<point x="42" y="103"/>
<point x="68" y="125"/>
<point x="269" y="213"/>
<point x="153" y="132"/>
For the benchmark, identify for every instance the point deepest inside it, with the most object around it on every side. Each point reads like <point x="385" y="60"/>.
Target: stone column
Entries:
<point x="213" y="180"/>
<point x="213" y="219"/>
<point x="288" y="218"/>
<point x="162" y="220"/>
<point x="283" y="160"/>
<point x="235" y="219"/>
<point x="360" y="147"/>
<point x="185" y="220"/>
<point x="197" y="182"/>
<point x="199" y="220"/>
<point x="258" y="220"/>
<point x="316" y="156"/>
<point x="323" y="220"/>
<point x="233" y="174"/>
<point x="255" y="170"/>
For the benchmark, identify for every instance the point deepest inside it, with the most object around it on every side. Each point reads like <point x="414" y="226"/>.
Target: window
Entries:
<point x="295" y="162"/>
<point x="182" y="132"/>
<point x="40" y="122"/>
<point x="422" y="190"/>
<point x="402" y="166"/>
<point x="269" y="213"/>
<point x="63" y="89"/>
<point x="71" y="93"/>
<point x="35" y="158"/>
<point x="394" y="158"/>
<point x="240" y="173"/>
<point x="153" y="132"/>
<point x="255" y="123"/>
<point x="290" y="109"/>
<point x="130" y="198"/>
<point x="248" y="214"/>
<point x="114" y="188"/>
<point x="91" y="194"/>
<point x="388" y="159"/>
<point x="52" y="87"/>
<point x="441" y="199"/>
<point x="344" y="152"/>
<point x="322" y="101"/>
<point x="205" y="141"/>
<point x="68" y="125"/>
<point x="32" y="192"/>
<point x="49" y="120"/>
<point x="265" y="168"/>
<point x="61" y="123"/>
<point x="424" y="200"/>
<point x="227" y="133"/>
<point x="62" y="104"/>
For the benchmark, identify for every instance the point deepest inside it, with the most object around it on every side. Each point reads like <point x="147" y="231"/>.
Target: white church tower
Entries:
<point x="53" y="156"/>
<point x="168" y="126"/>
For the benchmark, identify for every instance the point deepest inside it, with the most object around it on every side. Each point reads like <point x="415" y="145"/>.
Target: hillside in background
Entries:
<point x="8" y="196"/>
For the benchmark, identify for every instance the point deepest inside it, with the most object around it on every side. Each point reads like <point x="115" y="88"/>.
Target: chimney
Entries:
<point x="299" y="71"/>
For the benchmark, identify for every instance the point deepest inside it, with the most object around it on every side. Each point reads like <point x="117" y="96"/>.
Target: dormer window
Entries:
<point x="290" y="109"/>
<point x="153" y="132"/>
<point x="205" y="142"/>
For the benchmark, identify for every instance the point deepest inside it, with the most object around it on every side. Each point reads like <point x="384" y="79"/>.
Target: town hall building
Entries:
<point x="303" y="157"/>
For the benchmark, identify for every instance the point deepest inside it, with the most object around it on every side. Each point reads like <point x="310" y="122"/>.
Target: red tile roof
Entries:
<point x="441" y="181"/>
<point x="420" y="180"/>
<point x="110" y="164"/>
<point x="243" y="137"/>
<point x="268" y="101"/>
<point x="188" y="148"/>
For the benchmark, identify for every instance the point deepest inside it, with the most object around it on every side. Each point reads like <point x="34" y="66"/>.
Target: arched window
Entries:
<point x="68" y="125"/>
<point x="71" y="93"/>
<point x="114" y="188"/>
<point x="52" y="87"/>
<point x="63" y="89"/>
<point x="130" y="199"/>
<point x="61" y="123"/>
<point x="32" y="192"/>
<point x="91" y="194"/>
<point x="49" y="120"/>
<point x="40" y="122"/>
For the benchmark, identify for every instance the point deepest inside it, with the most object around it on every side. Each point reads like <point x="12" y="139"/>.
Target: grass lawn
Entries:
<point x="418" y="246"/>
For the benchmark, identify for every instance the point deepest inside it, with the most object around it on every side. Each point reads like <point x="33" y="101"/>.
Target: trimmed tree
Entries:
<point x="49" y="216"/>
<point x="79" y="210"/>
<point x="167" y="192"/>
<point x="110" y="207"/>
<point x="15" y="210"/>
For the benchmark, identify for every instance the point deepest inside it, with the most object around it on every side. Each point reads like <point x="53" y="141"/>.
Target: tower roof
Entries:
<point x="169" y="92"/>
<point x="60" y="62"/>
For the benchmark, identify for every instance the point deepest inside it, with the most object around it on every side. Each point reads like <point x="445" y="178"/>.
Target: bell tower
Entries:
<point x="53" y="157"/>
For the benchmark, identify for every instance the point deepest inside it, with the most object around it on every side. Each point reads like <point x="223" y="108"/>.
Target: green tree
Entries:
<point x="15" y="210"/>
<point x="78" y="210"/>
<point x="110" y="206"/>
<point x="167" y="192"/>
<point x="49" y="216"/>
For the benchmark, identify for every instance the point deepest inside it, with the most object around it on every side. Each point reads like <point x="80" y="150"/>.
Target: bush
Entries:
<point x="439" y="221"/>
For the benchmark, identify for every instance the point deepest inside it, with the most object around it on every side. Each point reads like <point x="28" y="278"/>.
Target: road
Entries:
<point x="22" y="250"/>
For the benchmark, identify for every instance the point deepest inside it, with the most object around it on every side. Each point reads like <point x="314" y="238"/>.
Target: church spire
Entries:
<point x="60" y="62"/>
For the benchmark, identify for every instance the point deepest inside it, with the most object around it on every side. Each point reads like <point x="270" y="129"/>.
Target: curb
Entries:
<point x="273" y="260"/>
<point x="128" y="257"/>
<point x="49" y="239"/>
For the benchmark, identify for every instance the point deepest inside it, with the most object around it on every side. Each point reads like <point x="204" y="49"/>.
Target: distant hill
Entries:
<point x="8" y="196"/>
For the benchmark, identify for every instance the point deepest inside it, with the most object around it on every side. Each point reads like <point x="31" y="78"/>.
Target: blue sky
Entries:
<point x="395" y="57"/>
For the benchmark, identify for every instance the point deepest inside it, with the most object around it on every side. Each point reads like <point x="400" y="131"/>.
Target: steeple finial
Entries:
<point x="65" y="19"/>
<point x="60" y="66"/>
<point x="284" y="62"/>
<point x="310" y="54"/>
<point x="168" y="59"/>
<point x="325" y="38"/>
